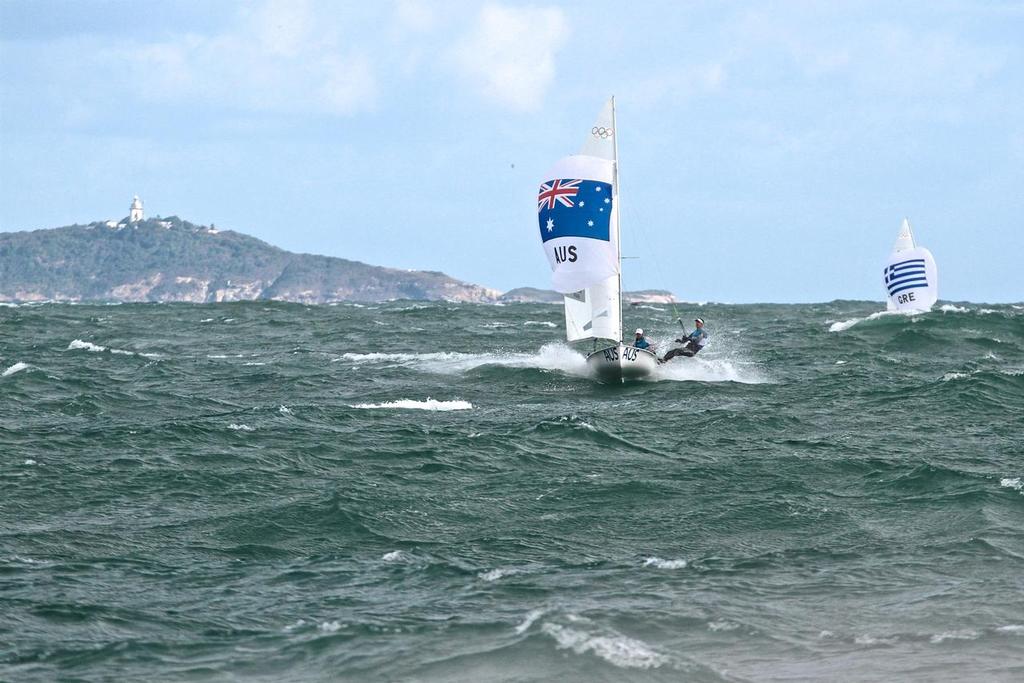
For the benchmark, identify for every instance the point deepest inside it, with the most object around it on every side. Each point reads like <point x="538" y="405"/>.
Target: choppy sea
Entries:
<point x="437" y="492"/>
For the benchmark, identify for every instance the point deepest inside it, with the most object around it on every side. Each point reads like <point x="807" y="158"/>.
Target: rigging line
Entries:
<point x="642" y="231"/>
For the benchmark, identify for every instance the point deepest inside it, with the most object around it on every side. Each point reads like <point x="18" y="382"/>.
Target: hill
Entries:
<point x="173" y="260"/>
<point x="549" y="296"/>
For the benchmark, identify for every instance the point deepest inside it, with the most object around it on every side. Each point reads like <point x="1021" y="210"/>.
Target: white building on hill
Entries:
<point x="135" y="214"/>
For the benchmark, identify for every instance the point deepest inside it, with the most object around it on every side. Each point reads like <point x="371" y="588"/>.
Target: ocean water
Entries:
<point x="436" y="492"/>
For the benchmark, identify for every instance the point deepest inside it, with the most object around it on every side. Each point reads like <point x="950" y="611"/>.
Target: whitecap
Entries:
<point x="495" y="574"/>
<point x="241" y="427"/>
<point x="660" y="563"/>
<point x="723" y="626"/>
<point x="29" y="461"/>
<point x="965" y="634"/>
<point x="847" y="324"/>
<point x="872" y="640"/>
<point x="17" y="367"/>
<point x="950" y="376"/>
<point x="616" y="649"/>
<point x="291" y="627"/>
<point x="253" y="363"/>
<point x="78" y="344"/>
<point x="330" y="626"/>
<point x="539" y="323"/>
<point x="950" y="308"/>
<point x="86" y="346"/>
<point x="1015" y="483"/>
<point x="531" y="617"/>
<point x="393" y="556"/>
<point x="284" y="410"/>
<point x="1015" y="629"/>
<point x="409" y="404"/>
<point x="840" y="362"/>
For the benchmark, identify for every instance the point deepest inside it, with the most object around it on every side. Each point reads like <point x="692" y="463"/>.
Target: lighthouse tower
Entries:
<point x="136" y="210"/>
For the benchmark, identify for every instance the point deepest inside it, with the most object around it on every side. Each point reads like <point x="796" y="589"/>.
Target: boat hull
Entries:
<point x="621" y="363"/>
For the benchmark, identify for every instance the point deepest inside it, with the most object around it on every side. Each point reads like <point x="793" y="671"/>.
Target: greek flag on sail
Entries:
<point x="904" y="275"/>
<point x="910" y="276"/>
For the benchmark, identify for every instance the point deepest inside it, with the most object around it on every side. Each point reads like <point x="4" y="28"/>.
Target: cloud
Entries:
<point x="414" y="16"/>
<point x="280" y="56"/>
<point x="509" y="56"/>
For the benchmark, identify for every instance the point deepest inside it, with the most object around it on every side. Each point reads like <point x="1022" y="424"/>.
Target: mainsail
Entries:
<point x="910" y="276"/>
<point x="577" y="208"/>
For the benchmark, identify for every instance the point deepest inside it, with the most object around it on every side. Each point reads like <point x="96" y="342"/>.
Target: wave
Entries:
<point x="847" y="324"/>
<point x="408" y="404"/>
<point x="17" y="367"/>
<point x="659" y="563"/>
<point x="541" y="323"/>
<point x="499" y="573"/>
<point x="78" y="344"/>
<point x="963" y="634"/>
<point x="611" y="646"/>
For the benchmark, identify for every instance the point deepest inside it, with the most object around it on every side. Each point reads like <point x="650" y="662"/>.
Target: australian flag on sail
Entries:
<point x="905" y="275"/>
<point x="574" y="208"/>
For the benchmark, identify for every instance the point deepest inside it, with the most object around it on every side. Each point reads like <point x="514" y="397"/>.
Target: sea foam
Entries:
<point x="554" y="356"/>
<point x="1015" y="483"/>
<point x="614" y="648"/>
<point x="17" y="367"/>
<point x="708" y="370"/>
<point x="78" y="344"/>
<point x="847" y="324"/>
<point x="409" y="404"/>
<point x="659" y="563"/>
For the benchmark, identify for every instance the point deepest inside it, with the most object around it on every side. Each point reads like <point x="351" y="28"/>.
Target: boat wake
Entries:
<point x="709" y="370"/>
<point x="558" y="357"/>
<point x="555" y="357"/>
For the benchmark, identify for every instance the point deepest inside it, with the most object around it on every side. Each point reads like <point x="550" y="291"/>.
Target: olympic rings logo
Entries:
<point x="602" y="132"/>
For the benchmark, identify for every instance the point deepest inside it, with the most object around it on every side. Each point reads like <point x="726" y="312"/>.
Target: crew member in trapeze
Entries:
<point x="692" y="343"/>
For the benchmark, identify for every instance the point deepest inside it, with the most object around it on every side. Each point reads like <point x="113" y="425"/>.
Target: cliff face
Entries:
<point x="174" y="260"/>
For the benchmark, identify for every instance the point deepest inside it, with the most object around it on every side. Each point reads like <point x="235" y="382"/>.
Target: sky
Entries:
<point x="768" y="150"/>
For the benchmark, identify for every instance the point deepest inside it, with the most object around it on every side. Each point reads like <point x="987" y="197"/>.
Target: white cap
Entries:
<point x="639" y="331"/>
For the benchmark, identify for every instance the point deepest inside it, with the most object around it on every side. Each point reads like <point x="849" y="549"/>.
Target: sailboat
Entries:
<point x="911" y="277"/>
<point x="578" y="216"/>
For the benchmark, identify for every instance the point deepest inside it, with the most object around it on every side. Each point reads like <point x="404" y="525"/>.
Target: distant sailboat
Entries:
<point x="911" y="277"/>
<point x="578" y="213"/>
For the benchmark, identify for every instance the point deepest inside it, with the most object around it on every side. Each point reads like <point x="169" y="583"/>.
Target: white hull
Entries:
<point x="620" y="363"/>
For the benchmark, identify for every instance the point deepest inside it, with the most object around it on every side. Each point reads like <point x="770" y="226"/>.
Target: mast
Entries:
<point x="618" y="229"/>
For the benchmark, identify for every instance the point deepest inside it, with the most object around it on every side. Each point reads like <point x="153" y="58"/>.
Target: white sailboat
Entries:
<point x="578" y="215"/>
<point x="910" y="276"/>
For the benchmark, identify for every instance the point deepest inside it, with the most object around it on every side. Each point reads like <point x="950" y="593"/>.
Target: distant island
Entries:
<point x="170" y="259"/>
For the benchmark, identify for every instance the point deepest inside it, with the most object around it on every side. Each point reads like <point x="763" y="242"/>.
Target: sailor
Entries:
<point x="640" y="342"/>
<point x="691" y="343"/>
